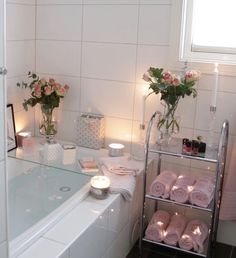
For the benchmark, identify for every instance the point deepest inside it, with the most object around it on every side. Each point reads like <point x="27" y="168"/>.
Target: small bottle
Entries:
<point x="184" y="145"/>
<point x="189" y="147"/>
<point x="195" y="147"/>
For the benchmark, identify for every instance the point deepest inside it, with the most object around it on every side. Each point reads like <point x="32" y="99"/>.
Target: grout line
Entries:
<point x="135" y="76"/>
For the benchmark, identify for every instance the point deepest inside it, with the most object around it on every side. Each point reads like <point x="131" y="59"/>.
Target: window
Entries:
<point x="208" y="31"/>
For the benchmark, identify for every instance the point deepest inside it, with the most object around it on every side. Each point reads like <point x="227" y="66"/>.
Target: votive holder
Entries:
<point x="116" y="149"/>
<point x="100" y="187"/>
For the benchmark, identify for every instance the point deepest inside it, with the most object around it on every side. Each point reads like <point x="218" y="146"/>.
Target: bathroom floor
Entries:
<point x="152" y="251"/>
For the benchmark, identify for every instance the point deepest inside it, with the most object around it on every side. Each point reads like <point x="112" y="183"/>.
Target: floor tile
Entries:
<point x="222" y="250"/>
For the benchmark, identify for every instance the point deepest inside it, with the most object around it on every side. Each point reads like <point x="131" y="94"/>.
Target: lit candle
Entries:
<point x="116" y="149"/>
<point x="216" y="83"/>
<point x="100" y="186"/>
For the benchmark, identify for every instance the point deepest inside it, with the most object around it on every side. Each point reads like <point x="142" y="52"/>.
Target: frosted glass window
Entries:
<point x="208" y="30"/>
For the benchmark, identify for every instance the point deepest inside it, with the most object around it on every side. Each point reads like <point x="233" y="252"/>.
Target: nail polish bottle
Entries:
<point x="202" y="147"/>
<point x="189" y="147"/>
<point x="195" y="147"/>
<point x="184" y="145"/>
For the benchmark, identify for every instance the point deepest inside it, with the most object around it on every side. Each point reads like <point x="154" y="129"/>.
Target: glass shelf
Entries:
<point x="208" y="209"/>
<point x="177" y="248"/>
<point x="38" y="156"/>
<point x="175" y="149"/>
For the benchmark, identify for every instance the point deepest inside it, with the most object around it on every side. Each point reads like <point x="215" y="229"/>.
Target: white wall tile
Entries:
<point x="165" y="2"/>
<point x="20" y="22"/>
<point x="24" y="120"/>
<point x="226" y="110"/>
<point x="71" y="100"/>
<point x="110" y="23"/>
<point x="3" y="250"/>
<point x="108" y="98"/>
<point x="67" y="126"/>
<point x="2" y="202"/>
<point x="154" y="56"/>
<point x="111" y="1"/>
<point x="29" y="2"/>
<point x="64" y="2"/>
<point x="20" y="57"/>
<point x="118" y="130"/>
<point x="157" y="16"/>
<point x="58" y="57"/>
<point x="64" y="24"/>
<point x="16" y="95"/>
<point x="109" y="61"/>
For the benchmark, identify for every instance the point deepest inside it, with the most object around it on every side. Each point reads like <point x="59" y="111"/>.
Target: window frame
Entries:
<point x="175" y="61"/>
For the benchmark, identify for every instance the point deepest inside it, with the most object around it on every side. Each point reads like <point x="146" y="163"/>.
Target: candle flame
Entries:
<point x="190" y="188"/>
<point x="197" y="231"/>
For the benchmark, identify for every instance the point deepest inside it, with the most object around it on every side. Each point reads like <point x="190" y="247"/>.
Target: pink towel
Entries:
<point x="175" y="229"/>
<point x="202" y="192"/>
<point x="157" y="226"/>
<point x="181" y="189"/>
<point x="194" y="236"/>
<point x="162" y="185"/>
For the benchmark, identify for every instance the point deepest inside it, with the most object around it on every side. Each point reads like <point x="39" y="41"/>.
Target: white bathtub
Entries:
<point x="39" y="196"/>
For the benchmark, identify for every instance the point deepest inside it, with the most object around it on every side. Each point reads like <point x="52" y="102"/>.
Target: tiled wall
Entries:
<point x="20" y="53"/>
<point x="101" y="48"/>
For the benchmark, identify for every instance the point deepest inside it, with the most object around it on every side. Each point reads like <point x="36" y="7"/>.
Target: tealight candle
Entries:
<point x="21" y="136"/>
<point x="100" y="186"/>
<point x="116" y="149"/>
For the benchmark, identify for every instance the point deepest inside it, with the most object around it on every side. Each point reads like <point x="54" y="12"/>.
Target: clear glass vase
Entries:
<point x="48" y="127"/>
<point x="168" y="123"/>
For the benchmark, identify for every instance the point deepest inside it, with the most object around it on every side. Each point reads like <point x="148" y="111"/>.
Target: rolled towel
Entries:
<point x="202" y="192"/>
<point x="181" y="189"/>
<point x="163" y="183"/>
<point x="194" y="236"/>
<point x="175" y="229"/>
<point x="157" y="226"/>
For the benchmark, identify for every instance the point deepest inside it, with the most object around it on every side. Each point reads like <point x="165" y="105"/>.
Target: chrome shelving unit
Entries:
<point x="217" y="157"/>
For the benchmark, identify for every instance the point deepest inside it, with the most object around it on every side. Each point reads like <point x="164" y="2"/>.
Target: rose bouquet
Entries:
<point x="171" y="88"/>
<point x="48" y="94"/>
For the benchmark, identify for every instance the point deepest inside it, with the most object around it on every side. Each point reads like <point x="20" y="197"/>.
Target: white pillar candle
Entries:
<point x="143" y="103"/>
<point x="215" y="89"/>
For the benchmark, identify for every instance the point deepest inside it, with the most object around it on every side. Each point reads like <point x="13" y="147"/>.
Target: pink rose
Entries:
<point x="48" y="90"/>
<point x="56" y="86"/>
<point x="176" y="81"/>
<point x="192" y="76"/>
<point x="52" y="81"/>
<point x="37" y="90"/>
<point x="43" y="81"/>
<point x="61" y="92"/>
<point x="66" y="87"/>
<point x="167" y="76"/>
<point x="146" y="77"/>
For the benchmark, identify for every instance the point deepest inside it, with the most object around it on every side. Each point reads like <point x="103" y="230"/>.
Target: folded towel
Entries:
<point x="181" y="189"/>
<point x="157" y="226"/>
<point x="121" y="165"/>
<point x="125" y="185"/>
<point x="163" y="183"/>
<point x="194" y="236"/>
<point x="175" y="229"/>
<point x="202" y="192"/>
